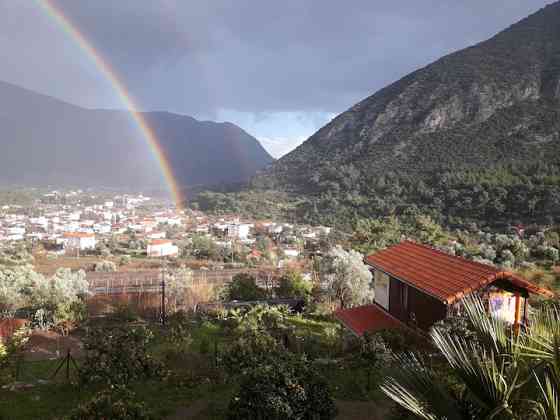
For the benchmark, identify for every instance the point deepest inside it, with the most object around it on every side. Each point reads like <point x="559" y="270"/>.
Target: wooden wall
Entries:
<point x="414" y="307"/>
<point x="427" y="310"/>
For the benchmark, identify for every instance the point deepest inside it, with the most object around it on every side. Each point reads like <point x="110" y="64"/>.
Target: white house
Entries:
<point x="156" y="235"/>
<point x="79" y="240"/>
<point x="291" y="252"/>
<point x="238" y="230"/>
<point x="15" y="233"/>
<point x="162" y="248"/>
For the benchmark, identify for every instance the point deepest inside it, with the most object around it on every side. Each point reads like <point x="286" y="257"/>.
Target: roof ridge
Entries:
<point x="453" y="257"/>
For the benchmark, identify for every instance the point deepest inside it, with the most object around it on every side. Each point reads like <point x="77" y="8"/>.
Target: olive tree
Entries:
<point x="51" y="300"/>
<point x="14" y="282"/>
<point x="346" y="277"/>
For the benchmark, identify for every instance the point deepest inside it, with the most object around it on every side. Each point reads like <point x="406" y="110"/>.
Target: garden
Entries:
<point x="225" y="364"/>
<point x="273" y="361"/>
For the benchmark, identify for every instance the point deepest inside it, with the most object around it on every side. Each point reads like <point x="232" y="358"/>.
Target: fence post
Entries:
<point x="18" y="363"/>
<point x="215" y="353"/>
<point x="68" y="366"/>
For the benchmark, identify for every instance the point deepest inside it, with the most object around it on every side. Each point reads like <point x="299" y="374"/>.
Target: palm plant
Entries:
<point x="501" y="374"/>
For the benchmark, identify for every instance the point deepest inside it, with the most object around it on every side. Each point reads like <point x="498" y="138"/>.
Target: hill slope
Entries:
<point x="46" y="141"/>
<point x="468" y="119"/>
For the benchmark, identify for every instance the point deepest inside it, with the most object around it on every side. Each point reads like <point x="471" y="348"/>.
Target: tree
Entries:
<point x="14" y="288"/>
<point x="105" y="267"/>
<point x="176" y="284"/>
<point x="244" y="286"/>
<point x="373" y="234"/>
<point x="59" y="298"/>
<point x="348" y="279"/>
<point x="205" y="248"/>
<point x="117" y="403"/>
<point x="293" y="285"/>
<point x="118" y="356"/>
<point x="289" y="388"/>
<point x="50" y="300"/>
<point x="498" y="374"/>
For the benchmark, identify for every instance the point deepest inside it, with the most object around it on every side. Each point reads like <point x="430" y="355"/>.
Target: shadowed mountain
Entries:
<point x="47" y="141"/>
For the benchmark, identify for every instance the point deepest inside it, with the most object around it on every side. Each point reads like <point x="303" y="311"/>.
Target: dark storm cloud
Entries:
<point x="288" y="55"/>
<point x="271" y="56"/>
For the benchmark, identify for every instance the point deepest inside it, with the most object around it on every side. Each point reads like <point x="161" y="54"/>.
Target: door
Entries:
<point x="398" y="299"/>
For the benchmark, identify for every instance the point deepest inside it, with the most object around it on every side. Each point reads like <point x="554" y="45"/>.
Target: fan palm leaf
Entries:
<point x="419" y="390"/>
<point x="490" y="381"/>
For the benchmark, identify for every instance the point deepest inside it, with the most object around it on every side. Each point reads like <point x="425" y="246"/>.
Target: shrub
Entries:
<point x="118" y="355"/>
<point x="293" y="285"/>
<point x="125" y="260"/>
<point x="105" y="267"/>
<point x="252" y="349"/>
<point x="288" y="389"/>
<point x="124" y="312"/>
<point x="11" y="351"/>
<point x="403" y="340"/>
<point x="244" y="287"/>
<point x="115" y="403"/>
<point x="552" y="254"/>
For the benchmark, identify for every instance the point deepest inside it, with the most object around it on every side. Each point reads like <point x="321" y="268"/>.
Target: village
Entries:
<point x="62" y="224"/>
<point x="211" y="293"/>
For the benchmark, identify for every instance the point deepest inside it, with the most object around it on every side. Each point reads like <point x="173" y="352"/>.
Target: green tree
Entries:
<point x="244" y="286"/>
<point x="293" y="285"/>
<point x="289" y="388"/>
<point x="116" y="403"/>
<point x="118" y="356"/>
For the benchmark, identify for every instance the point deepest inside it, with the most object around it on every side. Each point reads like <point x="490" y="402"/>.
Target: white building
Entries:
<point x="102" y="228"/>
<point x="79" y="240"/>
<point x="162" y="248"/>
<point x="156" y="235"/>
<point x="238" y="231"/>
<point x="291" y="252"/>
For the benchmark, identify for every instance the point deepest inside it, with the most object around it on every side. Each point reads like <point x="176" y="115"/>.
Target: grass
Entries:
<point x="194" y="376"/>
<point x="41" y="402"/>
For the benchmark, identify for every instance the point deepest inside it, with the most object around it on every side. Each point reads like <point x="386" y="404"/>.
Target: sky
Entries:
<point x="278" y="69"/>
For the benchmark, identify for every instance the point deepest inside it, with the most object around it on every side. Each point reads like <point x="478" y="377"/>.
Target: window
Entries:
<point x="403" y="289"/>
<point x="381" y="289"/>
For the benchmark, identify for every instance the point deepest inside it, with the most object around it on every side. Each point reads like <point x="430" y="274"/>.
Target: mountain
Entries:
<point x="478" y="125"/>
<point x="46" y="141"/>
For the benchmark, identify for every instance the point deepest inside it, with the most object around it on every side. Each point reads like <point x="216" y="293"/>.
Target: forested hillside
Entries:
<point x="473" y="136"/>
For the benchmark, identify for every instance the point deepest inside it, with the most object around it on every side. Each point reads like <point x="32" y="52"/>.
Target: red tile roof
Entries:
<point x="78" y="235"/>
<point x="443" y="276"/>
<point x="370" y="318"/>
<point x="160" y="241"/>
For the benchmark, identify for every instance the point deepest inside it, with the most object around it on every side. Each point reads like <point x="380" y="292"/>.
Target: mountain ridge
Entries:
<point x="489" y="105"/>
<point x="94" y="147"/>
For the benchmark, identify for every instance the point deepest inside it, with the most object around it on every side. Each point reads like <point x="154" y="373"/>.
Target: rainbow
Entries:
<point x="120" y="89"/>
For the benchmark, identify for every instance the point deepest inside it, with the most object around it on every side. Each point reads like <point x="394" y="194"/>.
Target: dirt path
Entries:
<point x="347" y="410"/>
<point x="191" y="412"/>
<point x="361" y="410"/>
<point x="44" y="345"/>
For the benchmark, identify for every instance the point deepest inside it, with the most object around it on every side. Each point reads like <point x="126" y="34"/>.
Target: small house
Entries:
<point x="162" y="248"/>
<point x="79" y="240"/>
<point x="417" y="285"/>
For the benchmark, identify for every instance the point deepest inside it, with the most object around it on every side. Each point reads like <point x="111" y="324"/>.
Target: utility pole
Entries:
<point x="162" y="291"/>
